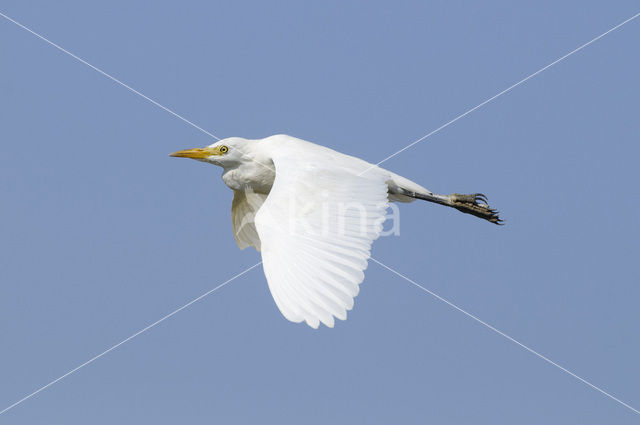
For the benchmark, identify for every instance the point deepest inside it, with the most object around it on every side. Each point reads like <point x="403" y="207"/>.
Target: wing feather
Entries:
<point x="244" y="207"/>
<point x="316" y="228"/>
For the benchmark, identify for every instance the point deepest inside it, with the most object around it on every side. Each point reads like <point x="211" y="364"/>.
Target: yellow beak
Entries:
<point x="197" y="153"/>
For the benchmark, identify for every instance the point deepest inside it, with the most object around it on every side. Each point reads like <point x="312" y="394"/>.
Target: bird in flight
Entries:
<point x="313" y="213"/>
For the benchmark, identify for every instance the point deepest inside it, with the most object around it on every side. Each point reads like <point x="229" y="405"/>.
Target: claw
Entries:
<point x="476" y="204"/>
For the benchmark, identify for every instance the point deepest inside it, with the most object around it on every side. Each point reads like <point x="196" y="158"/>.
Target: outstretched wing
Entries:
<point x="316" y="228"/>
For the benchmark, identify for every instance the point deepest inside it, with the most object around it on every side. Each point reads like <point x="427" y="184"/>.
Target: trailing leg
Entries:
<point x="474" y="204"/>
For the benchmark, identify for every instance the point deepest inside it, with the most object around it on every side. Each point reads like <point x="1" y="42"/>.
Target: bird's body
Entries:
<point x="313" y="213"/>
<point x="258" y="173"/>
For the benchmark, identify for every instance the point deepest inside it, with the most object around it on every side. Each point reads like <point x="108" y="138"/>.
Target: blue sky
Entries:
<point x="103" y="233"/>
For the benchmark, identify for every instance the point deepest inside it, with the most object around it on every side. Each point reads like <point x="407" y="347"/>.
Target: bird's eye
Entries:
<point x="223" y="149"/>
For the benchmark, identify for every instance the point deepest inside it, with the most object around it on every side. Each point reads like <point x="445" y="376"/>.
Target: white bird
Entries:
<point x="313" y="213"/>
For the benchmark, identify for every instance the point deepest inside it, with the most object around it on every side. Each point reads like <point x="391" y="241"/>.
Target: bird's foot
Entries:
<point x="475" y="204"/>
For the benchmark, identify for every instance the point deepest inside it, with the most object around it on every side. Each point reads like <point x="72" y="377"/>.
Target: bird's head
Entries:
<point x="225" y="153"/>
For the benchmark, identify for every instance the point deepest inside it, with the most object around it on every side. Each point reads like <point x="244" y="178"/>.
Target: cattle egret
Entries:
<point x="313" y="213"/>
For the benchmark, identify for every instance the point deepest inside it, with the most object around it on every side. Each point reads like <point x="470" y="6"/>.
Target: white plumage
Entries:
<point x="313" y="213"/>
